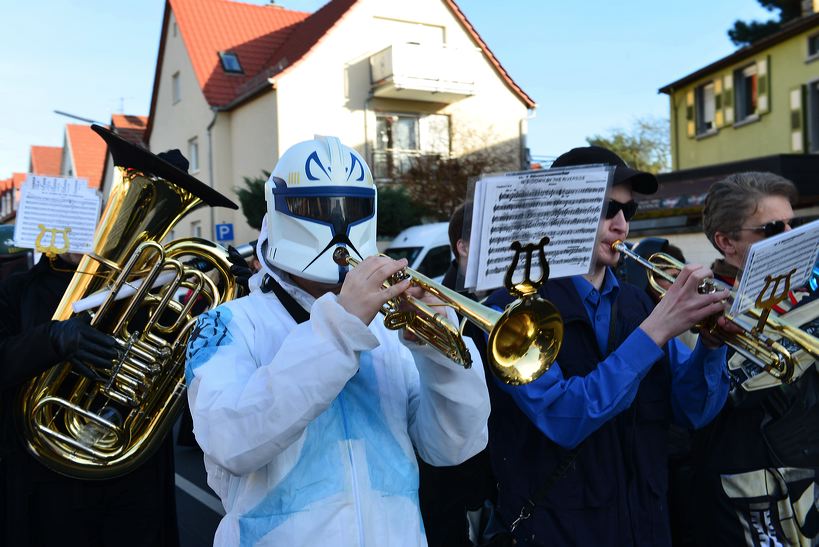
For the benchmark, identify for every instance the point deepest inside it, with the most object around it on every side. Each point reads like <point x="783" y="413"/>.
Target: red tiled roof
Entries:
<point x="87" y="152"/>
<point x="129" y="127"/>
<point x="267" y="40"/>
<point x="250" y="31"/>
<point x="527" y="100"/>
<point x="45" y="160"/>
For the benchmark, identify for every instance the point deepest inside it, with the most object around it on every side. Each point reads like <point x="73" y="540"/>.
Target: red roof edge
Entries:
<point x="165" y="18"/>
<point x="302" y="47"/>
<point x="527" y="100"/>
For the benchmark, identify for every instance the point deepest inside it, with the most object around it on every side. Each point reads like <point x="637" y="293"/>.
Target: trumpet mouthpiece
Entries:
<point x="340" y="256"/>
<point x="615" y="246"/>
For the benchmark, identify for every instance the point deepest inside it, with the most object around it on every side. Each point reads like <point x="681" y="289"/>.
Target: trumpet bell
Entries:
<point x="525" y="341"/>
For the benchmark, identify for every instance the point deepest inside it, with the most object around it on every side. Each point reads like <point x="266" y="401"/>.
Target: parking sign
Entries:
<point x="224" y="232"/>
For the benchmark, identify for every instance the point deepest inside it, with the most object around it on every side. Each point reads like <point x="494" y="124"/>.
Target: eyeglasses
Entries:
<point x="770" y="229"/>
<point x="629" y="209"/>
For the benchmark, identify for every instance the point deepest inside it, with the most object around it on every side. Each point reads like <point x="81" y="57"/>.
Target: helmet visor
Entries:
<point x="335" y="210"/>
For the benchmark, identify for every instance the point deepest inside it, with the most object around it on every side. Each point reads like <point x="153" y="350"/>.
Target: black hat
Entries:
<point x="641" y="182"/>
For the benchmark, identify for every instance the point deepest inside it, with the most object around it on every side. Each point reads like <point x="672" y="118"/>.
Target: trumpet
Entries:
<point x="754" y="343"/>
<point x="524" y="340"/>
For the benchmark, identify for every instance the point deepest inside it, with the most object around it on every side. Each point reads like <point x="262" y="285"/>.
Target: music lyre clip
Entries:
<point x="52" y="249"/>
<point x="766" y="304"/>
<point x="527" y="286"/>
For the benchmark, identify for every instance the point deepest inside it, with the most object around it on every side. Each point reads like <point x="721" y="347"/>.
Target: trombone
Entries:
<point x="753" y="343"/>
<point x="524" y="340"/>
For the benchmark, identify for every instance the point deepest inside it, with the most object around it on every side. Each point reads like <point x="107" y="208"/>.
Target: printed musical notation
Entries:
<point x="777" y="256"/>
<point x="52" y="207"/>
<point x="565" y="205"/>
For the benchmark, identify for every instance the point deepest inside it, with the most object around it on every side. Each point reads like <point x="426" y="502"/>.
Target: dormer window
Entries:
<point x="230" y="62"/>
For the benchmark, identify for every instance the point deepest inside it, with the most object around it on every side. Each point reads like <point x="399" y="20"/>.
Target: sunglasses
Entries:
<point x="629" y="209"/>
<point x="775" y="227"/>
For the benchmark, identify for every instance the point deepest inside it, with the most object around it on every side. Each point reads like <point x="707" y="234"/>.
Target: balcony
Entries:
<point x="422" y="72"/>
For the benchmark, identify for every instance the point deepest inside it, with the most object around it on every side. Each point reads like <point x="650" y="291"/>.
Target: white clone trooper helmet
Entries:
<point x="320" y="196"/>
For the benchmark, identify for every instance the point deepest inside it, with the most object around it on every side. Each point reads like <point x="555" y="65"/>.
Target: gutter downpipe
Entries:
<point x="525" y="153"/>
<point x="211" y="182"/>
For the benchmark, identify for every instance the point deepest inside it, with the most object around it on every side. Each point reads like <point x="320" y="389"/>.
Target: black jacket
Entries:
<point x="39" y="506"/>
<point x="614" y="492"/>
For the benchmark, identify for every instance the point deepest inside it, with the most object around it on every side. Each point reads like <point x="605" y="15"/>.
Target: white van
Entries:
<point x="426" y="248"/>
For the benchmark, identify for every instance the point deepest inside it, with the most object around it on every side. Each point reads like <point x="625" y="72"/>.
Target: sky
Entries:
<point x="591" y="66"/>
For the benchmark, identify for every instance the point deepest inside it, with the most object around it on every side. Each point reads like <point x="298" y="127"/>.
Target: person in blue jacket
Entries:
<point x="580" y="454"/>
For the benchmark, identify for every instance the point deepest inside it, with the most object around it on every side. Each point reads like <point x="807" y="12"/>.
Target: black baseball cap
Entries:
<point x="641" y="182"/>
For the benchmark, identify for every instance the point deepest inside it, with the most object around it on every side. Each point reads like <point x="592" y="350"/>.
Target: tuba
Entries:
<point x="104" y="426"/>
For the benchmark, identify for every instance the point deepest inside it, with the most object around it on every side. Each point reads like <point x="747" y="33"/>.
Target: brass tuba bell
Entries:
<point x="97" y="429"/>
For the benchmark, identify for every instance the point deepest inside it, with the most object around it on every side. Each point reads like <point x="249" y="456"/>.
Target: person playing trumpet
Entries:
<point x="306" y="408"/>
<point x="580" y="454"/>
<point x="754" y="470"/>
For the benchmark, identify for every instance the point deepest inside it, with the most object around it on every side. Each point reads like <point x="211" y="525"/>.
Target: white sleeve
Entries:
<point x="245" y="413"/>
<point x="448" y="405"/>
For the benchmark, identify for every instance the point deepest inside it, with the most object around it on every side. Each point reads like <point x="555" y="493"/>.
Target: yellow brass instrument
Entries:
<point x="102" y="428"/>
<point x="524" y="340"/>
<point x="758" y="344"/>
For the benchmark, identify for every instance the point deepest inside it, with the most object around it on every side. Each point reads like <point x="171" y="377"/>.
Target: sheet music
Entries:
<point x="777" y="256"/>
<point x="49" y="206"/>
<point x="563" y="204"/>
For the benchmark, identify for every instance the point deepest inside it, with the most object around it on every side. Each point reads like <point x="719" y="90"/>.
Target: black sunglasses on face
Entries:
<point x="629" y="209"/>
<point x="775" y="227"/>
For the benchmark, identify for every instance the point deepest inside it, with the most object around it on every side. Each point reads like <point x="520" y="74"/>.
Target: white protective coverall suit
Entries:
<point x="308" y="429"/>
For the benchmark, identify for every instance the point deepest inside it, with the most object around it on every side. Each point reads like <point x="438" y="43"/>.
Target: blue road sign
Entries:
<point x="224" y="232"/>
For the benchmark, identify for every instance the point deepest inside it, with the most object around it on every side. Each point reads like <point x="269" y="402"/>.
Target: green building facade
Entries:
<point x="759" y="101"/>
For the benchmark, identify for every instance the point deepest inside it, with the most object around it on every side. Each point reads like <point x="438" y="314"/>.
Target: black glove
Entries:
<point x="240" y="270"/>
<point x="76" y="341"/>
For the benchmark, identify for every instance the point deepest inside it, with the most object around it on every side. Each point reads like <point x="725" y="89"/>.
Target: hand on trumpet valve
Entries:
<point x="684" y="306"/>
<point x="430" y="300"/>
<point x="363" y="292"/>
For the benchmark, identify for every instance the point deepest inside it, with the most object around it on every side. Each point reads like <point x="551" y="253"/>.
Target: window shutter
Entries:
<point x="719" y="118"/>
<point x="689" y="114"/>
<point x="796" y="100"/>
<point x="763" y="85"/>
<point x="728" y="98"/>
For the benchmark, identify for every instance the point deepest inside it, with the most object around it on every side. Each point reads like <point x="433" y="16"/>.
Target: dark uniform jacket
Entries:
<point x="614" y="492"/>
<point x="39" y="506"/>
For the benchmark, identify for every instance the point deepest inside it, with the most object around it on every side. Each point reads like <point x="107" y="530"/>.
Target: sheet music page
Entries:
<point x="51" y="205"/>
<point x="564" y="204"/>
<point x="777" y="256"/>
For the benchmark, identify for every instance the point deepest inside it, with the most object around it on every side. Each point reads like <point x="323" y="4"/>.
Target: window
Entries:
<point x="230" y="62"/>
<point x="402" y="137"/>
<point x="706" y="108"/>
<point x="177" y="94"/>
<point x="813" y="47"/>
<point x="436" y="263"/>
<point x="196" y="228"/>
<point x="746" y="92"/>
<point x="813" y="116"/>
<point x="193" y="155"/>
<point x="175" y="30"/>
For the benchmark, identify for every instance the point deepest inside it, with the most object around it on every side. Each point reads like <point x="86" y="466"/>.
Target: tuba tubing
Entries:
<point x="102" y="428"/>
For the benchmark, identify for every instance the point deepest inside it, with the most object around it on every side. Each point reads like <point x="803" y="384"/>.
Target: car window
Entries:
<point x="436" y="262"/>
<point x="397" y="253"/>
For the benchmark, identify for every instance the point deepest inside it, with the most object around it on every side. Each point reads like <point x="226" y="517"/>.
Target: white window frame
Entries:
<point x="705" y="108"/>
<point x="812" y="55"/>
<point x="193" y="155"/>
<point x="196" y="228"/>
<point x="742" y="113"/>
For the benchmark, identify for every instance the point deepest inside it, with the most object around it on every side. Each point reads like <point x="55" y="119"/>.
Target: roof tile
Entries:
<point x="88" y="153"/>
<point x="45" y="160"/>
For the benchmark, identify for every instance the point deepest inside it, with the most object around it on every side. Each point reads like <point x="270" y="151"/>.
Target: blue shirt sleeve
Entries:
<point x="699" y="382"/>
<point x="569" y="410"/>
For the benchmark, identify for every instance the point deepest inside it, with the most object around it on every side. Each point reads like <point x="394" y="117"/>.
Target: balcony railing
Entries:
<point x="389" y="165"/>
<point x="424" y="72"/>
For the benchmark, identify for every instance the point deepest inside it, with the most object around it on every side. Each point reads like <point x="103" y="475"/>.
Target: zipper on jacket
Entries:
<point x="353" y="471"/>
